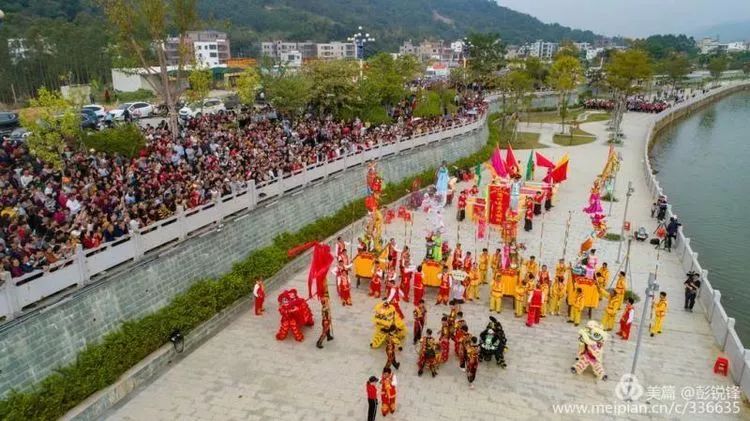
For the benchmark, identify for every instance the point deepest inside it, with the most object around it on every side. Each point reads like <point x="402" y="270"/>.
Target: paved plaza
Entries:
<point x="244" y="373"/>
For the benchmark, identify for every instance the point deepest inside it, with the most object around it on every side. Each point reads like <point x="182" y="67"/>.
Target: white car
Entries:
<point x="196" y="109"/>
<point x="136" y="109"/>
<point x="97" y="109"/>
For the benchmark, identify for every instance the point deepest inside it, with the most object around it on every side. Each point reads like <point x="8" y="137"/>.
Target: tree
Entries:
<point x="627" y="72"/>
<point x="660" y="47"/>
<point x="564" y="76"/>
<point x="53" y="123"/>
<point x="247" y="85"/>
<point x="676" y="67"/>
<point x="200" y="85"/>
<point x="436" y="101"/>
<point x="716" y="67"/>
<point x="333" y="85"/>
<point x="486" y="54"/>
<point x="288" y="93"/>
<point x="568" y="48"/>
<point x="386" y="78"/>
<point x="141" y="28"/>
<point x="537" y="71"/>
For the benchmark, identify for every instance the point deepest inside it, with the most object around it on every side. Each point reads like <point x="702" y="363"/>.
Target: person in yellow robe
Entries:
<point x="532" y="267"/>
<point x="530" y="285"/>
<point x="660" y="311"/>
<point x="610" y="313"/>
<point x="520" y="298"/>
<point x="496" y="294"/>
<point x="576" y="308"/>
<point x="557" y="296"/>
<point x="621" y="286"/>
<point x="472" y="292"/>
<point x="604" y="270"/>
<point x="495" y="263"/>
<point x="484" y="262"/>
<point x="544" y="286"/>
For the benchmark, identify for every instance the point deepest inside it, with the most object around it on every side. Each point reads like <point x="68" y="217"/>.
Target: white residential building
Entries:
<point x="336" y="50"/>
<point x="735" y="47"/>
<point x="206" y="54"/>
<point x="543" y="50"/>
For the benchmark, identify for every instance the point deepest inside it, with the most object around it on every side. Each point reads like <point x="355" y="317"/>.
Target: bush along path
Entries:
<point x="102" y="363"/>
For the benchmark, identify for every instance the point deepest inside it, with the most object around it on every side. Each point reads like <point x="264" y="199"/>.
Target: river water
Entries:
<point x="701" y="162"/>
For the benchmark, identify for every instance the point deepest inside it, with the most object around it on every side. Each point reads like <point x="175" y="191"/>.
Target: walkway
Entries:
<point x="243" y="373"/>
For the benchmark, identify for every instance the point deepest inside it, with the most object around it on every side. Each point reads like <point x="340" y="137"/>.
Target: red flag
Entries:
<point x="319" y="267"/>
<point x="510" y="161"/>
<point x="542" y="161"/>
<point x="557" y="175"/>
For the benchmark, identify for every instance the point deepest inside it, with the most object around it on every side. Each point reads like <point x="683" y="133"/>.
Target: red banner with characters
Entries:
<point x="499" y="200"/>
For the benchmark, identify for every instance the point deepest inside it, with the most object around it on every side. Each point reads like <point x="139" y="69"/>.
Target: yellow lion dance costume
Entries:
<point x="385" y="317"/>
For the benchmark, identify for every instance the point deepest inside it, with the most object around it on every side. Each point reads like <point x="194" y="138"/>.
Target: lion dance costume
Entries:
<point x="591" y="350"/>
<point x="385" y="317"/>
<point x="294" y="313"/>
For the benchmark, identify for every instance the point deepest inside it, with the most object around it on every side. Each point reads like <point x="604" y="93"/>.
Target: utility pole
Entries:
<point x="650" y="293"/>
<point x="624" y="217"/>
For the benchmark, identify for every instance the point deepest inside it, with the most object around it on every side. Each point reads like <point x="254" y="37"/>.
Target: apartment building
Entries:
<point x="207" y="48"/>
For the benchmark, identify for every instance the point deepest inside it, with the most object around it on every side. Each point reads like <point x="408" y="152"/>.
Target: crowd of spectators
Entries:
<point x="637" y="104"/>
<point x="45" y="213"/>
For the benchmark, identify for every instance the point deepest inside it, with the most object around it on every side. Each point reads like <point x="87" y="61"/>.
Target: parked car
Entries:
<point x="98" y="110"/>
<point x="136" y="110"/>
<point x="89" y="120"/>
<point x="8" y="122"/>
<point x="196" y="109"/>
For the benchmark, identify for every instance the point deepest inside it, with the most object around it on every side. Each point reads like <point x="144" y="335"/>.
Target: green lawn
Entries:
<point x="523" y="140"/>
<point x="597" y="117"/>
<point x="550" y="116"/>
<point x="579" y="137"/>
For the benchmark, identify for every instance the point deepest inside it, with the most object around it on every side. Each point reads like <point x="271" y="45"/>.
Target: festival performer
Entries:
<point x="468" y="262"/>
<point x="529" y="215"/>
<point x="532" y="267"/>
<point x="418" y="286"/>
<point x="626" y="320"/>
<point x="340" y="251"/>
<point x="343" y="285"/>
<point x="548" y="196"/>
<point x="621" y="286"/>
<point x="544" y="276"/>
<point x="388" y="385"/>
<point x="405" y="260"/>
<point x="604" y="270"/>
<point x="420" y="314"/>
<point x="405" y="285"/>
<point x="393" y="252"/>
<point x="288" y="311"/>
<point x="460" y="335"/>
<point x="372" y="398"/>
<point x="444" y="339"/>
<point x="446" y="282"/>
<point x="474" y="190"/>
<point x="608" y="319"/>
<point x="515" y="191"/>
<point x="659" y="311"/>
<point x="458" y="257"/>
<point x="427" y="354"/>
<point x="472" y="292"/>
<point x="385" y="316"/>
<point x="576" y="308"/>
<point x="484" y="263"/>
<point x="392" y="343"/>
<point x="376" y="281"/>
<point x="441" y="183"/>
<point x="496" y="294"/>
<point x="520" y="297"/>
<point x="325" y="318"/>
<point x="259" y="292"/>
<point x="472" y="361"/>
<point x="461" y="208"/>
<point x="458" y="291"/>
<point x="536" y="299"/>
<point x="538" y="200"/>
<point x="492" y="342"/>
<point x="530" y="285"/>
<point x="394" y="294"/>
<point x="545" y="287"/>
<point x="591" y="351"/>
<point x="590" y="262"/>
<point x="557" y="296"/>
<point x="595" y="203"/>
<point x="496" y="262"/>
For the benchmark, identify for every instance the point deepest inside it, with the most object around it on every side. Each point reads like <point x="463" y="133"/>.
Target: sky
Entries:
<point x="635" y="18"/>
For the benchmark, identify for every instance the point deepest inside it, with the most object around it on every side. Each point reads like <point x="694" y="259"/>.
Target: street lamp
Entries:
<point x="624" y="218"/>
<point x="465" y="47"/>
<point x="360" y="39"/>
<point x="650" y="294"/>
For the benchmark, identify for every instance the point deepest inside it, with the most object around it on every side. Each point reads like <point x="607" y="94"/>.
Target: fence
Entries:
<point x="722" y="326"/>
<point x="33" y="289"/>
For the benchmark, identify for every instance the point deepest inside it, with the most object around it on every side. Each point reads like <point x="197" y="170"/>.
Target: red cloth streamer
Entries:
<point x="542" y="161"/>
<point x="319" y="267"/>
<point x="299" y="249"/>
<point x="497" y="163"/>
<point x="557" y="175"/>
<point x="511" y="164"/>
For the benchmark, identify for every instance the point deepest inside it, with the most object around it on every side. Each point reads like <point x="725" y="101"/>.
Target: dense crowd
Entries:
<point x="97" y="198"/>
<point x="637" y="104"/>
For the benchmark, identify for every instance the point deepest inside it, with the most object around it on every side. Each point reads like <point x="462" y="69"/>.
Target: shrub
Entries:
<point x="630" y="294"/>
<point x="124" y="140"/>
<point x="139" y="95"/>
<point x="608" y="197"/>
<point x="611" y="236"/>
<point x="102" y="363"/>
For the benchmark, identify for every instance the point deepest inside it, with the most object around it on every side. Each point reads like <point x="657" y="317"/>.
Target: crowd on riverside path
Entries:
<point x="637" y="104"/>
<point x="45" y="213"/>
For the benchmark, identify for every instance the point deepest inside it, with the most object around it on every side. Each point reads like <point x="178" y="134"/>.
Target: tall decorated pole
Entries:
<point x="567" y="233"/>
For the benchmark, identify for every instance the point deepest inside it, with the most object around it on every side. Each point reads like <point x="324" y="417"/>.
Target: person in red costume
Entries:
<point x="626" y="320"/>
<point x="405" y="286"/>
<point x="259" y="292"/>
<point x="458" y="257"/>
<point x="376" y="282"/>
<point x="418" y="286"/>
<point x="461" y="208"/>
<point x="393" y="252"/>
<point x="394" y="295"/>
<point x="288" y="310"/>
<point x="420" y="314"/>
<point x="529" y="215"/>
<point x="325" y="320"/>
<point x="536" y="299"/>
<point x="388" y="392"/>
<point x="445" y="339"/>
<point x="444" y="289"/>
<point x="468" y="262"/>
<point x="343" y="285"/>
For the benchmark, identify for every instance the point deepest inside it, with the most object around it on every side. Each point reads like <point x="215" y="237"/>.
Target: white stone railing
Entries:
<point x="18" y="294"/>
<point x="722" y="326"/>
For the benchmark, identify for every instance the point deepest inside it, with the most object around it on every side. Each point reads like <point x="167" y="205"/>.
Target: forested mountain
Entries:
<point x="69" y="40"/>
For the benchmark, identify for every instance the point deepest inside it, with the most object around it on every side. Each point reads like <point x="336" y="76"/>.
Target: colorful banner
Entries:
<point x="499" y="200"/>
<point x="476" y="208"/>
